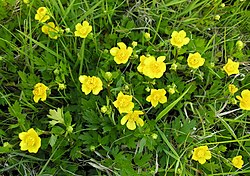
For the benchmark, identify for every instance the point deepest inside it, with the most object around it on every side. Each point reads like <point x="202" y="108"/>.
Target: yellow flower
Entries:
<point x="83" y="30"/>
<point x="232" y="88"/>
<point x="231" y="67"/>
<point x="51" y="29"/>
<point x="124" y="103"/>
<point x="244" y="100"/>
<point x="238" y="162"/>
<point x="154" y="68"/>
<point x="40" y="92"/>
<point x="201" y="154"/>
<point x="89" y="84"/>
<point x="30" y="141"/>
<point x="195" y="60"/>
<point x="42" y="14"/>
<point x="132" y="118"/>
<point x="121" y="54"/>
<point x="179" y="39"/>
<point x="157" y="96"/>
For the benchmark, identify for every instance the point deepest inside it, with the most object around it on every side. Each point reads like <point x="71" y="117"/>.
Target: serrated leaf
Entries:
<point x="57" y="116"/>
<point x="52" y="140"/>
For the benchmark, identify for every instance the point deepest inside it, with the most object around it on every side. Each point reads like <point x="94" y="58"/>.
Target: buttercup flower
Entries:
<point x="244" y="100"/>
<point x="39" y="92"/>
<point x="231" y="67"/>
<point x="89" y="84"/>
<point x="201" y="154"/>
<point x="132" y="118"/>
<point x="30" y="141"/>
<point x="42" y="14"/>
<point x="232" y="88"/>
<point x="195" y="60"/>
<point x="124" y="103"/>
<point x="179" y="39"/>
<point x="82" y="30"/>
<point x="157" y="96"/>
<point x="153" y="68"/>
<point x="238" y="162"/>
<point x="121" y="54"/>
<point x="51" y="29"/>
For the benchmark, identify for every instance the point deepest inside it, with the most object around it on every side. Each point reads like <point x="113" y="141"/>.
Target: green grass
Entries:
<point x="200" y="112"/>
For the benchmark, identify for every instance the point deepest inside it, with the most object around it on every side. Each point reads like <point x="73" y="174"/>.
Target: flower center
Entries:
<point x="178" y="39"/>
<point x="201" y="153"/>
<point x="156" y="97"/>
<point x="123" y="102"/>
<point x="122" y="54"/>
<point x="230" y="68"/>
<point x="155" y="67"/>
<point x="83" y="30"/>
<point x="39" y="91"/>
<point x="91" y="83"/>
<point x="30" y="141"/>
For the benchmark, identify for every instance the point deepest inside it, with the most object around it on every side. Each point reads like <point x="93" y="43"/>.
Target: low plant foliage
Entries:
<point x="113" y="87"/>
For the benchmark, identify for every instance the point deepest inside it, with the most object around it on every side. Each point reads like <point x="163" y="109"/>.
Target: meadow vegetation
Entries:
<point x="125" y="87"/>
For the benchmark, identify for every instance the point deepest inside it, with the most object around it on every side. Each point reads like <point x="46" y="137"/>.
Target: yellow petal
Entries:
<point x="161" y="58"/>
<point x="85" y="24"/>
<point x="131" y="125"/>
<point x="78" y="26"/>
<point x="22" y="135"/>
<point x="140" y="122"/>
<point x="202" y="160"/>
<point x="82" y="78"/>
<point x="186" y="40"/>
<point x="122" y="45"/>
<point x="208" y="155"/>
<point x="154" y="103"/>
<point x="114" y="50"/>
<point x="36" y="98"/>
<point x="124" y="119"/>
<point x="182" y="34"/>
<point x="86" y="90"/>
<point x="174" y="34"/>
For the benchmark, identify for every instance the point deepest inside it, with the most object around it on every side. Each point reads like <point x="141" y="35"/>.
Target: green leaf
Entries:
<point x="57" y="116"/>
<point x="52" y="140"/>
<point x="169" y="107"/>
<point x="67" y="119"/>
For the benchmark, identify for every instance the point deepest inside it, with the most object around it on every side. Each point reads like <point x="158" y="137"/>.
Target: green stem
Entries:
<point x="81" y="55"/>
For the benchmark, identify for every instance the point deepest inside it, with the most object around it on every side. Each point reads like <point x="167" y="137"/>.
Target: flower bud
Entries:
<point x="108" y="75"/>
<point x="154" y="136"/>
<point x="239" y="45"/>
<point x="92" y="148"/>
<point x="134" y="44"/>
<point x="147" y="35"/>
<point x="104" y="109"/>
<point x="147" y="89"/>
<point x="69" y="129"/>
<point x="222" y="5"/>
<point x="173" y="67"/>
<point x="171" y="90"/>
<point x="61" y="86"/>
<point x="67" y="30"/>
<point x="126" y="87"/>
<point x="217" y="17"/>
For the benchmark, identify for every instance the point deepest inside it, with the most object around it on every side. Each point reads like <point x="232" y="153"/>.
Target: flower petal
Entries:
<point x="114" y="50"/>
<point x="124" y="119"/>
<point x="122" y="45"/>
<point x="131" y="125"/>
<point x="140" y="122"/>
